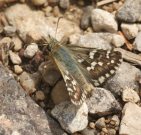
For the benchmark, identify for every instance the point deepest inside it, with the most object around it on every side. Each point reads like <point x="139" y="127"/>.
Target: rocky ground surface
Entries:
<point x="33" y="95"/>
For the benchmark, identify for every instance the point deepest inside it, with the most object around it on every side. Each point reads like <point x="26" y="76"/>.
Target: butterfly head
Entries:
<point x="50" y="43"/>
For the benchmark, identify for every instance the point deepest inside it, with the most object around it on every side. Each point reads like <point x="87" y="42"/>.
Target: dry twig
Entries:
<point x="129" y="56"/>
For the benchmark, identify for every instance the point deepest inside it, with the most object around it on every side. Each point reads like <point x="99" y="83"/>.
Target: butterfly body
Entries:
<point x="81" y="72"/>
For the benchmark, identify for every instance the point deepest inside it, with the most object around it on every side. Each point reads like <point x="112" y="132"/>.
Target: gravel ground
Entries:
<point x="35" y="99"/>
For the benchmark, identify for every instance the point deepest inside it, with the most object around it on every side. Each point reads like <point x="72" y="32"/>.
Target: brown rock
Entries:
<point x="59" y="93"/>
<point x="50" y="73"/>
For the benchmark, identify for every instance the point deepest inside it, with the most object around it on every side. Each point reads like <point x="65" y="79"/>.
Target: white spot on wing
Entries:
<point x="107" y="75"/>
<point x="88" y="68"/>
<point x="112" y="61"/>
<point x="101" y="79"/>
<point x="74" y="82"/>
<point x="112" y="71"/>
<point x="100" y="63"/>
<point x="80" y="60"/>
<point x="69" y="89"/>
<point x="66" y="78"/>
<point x="91" y="56"/>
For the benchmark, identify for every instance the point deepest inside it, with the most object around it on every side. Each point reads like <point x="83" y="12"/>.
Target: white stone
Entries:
<point x="31" y="50"/>
<point x="117" y="40"/>
<point x="35" y="24"/>
<point x="131" y="120"/>
<point x="129" y="95"/>
<point x="130" y="30"/>
<point x="71" y="118"/>
<point x="17" y="43"/>
<point x="15" y="58"/>
<point x="18" y="69"/>
<point x="137" y="42"/>
<point x="103" y="20"/>
<point x="99" y="40"/>
<point x="102" y="101"/>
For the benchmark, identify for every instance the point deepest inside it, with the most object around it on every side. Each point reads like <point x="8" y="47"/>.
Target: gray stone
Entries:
<point x="59" y="93"/>
<point x="97" y="40"/>
<point x="102" y="102"/>
<point x="15" y="58"/>
<point x="137" y="42"/>
<point x="85" y="20"/>
<point x="129" y="95"/>
<point x="50" y="73"/>
<point x="19" y="115"/>
<point x="125" y="77"/>
<point x="114" y="39"/>
<point x="130" y="30"/>
<point x="71" y="118"/>
<point x="64" y="4"/>
<point x="103" y="20"/>
<point x="131" y="120"/>
<point x="93" y="40"/>
<point x="30" y="50"/>
<point x="130" y="11"/>
<point x="35" y="23"/>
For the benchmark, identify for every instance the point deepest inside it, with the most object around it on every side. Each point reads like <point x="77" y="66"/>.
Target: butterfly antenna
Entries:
<point x="57" y="26"/>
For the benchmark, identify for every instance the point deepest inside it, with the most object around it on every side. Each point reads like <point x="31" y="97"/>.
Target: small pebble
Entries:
<point x="39" y="95"/>
<point x="64" y="4"/>
<point x="112" y="131"/>
<point x="107" y="121"/>
<point x="130" y="30"/>
<point x="116" y="119"/>
<point x="38" y="2"/>
<point x="27" y="82"/>
<point x="33" y="37"/>
<point x="5" y="40"/>
<point x="100" y="123"/>
<point x="129" y="95"/>
<point x="31" y="50"/>
<point x="56" y="11"/>
<point x="85" y="20"/>
<point x="17" y="43"/>
<point x="104" y="130"/>
<point x="9" y="30"/>
<point x="18" y="69"/>
<point x="113" y="123"/>
<point x="15" y="59"/>
<point x="92" y="125"/>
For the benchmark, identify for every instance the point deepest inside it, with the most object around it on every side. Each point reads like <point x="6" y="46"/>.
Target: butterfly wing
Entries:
<point x="100" y="64"/>
<point x="78" y="86"/>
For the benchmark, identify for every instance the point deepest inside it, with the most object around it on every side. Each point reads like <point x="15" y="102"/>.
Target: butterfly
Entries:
<point x="82" y="68"/>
